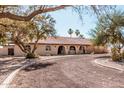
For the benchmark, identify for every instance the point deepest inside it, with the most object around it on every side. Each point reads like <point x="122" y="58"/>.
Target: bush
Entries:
<point x="122" y="55"/>
<point x="31" y="55"/>
<point x="115" y="55"/>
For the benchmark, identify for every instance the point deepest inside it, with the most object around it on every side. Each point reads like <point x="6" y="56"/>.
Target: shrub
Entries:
<point x="31" y="55"/>
<point x="115" y="55"/>
<point x="122" y="55"/>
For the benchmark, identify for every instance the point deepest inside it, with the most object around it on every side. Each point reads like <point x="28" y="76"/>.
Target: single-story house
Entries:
<point x="56" y="46"/>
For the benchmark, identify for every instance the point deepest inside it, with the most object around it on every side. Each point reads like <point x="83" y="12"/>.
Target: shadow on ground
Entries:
<point x="38" y="66"/>
<point x="105" y="56"/>
<point x="9" y="65"/>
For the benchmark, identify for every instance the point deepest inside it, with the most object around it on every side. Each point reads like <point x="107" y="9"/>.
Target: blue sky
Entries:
<point x="66" y="19"/>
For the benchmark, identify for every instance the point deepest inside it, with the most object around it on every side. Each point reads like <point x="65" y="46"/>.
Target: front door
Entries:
<point x="11" y="51"/>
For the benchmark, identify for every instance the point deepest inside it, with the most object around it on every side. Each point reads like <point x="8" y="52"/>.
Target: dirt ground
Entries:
<point x="9" y="64"/>
<point x="70" y="72"/>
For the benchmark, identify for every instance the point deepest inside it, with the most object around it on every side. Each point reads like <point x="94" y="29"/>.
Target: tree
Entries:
<point x="77" y="32"/>
<point x="98" y="36"/>
<point x="81" y="36"/>
<point x="70" y="32"/>
<point x="109" y="31"/>
<point x="26" y="13"/>
<point x="13" y="12"/>
<point x="23" y="34"/>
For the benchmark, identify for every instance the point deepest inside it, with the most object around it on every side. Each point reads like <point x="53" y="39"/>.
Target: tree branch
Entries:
<point x="31" y="15"/>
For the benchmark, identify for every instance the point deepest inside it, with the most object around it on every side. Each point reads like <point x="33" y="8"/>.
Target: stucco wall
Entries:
<point x="18" y="52"/>
<point x="41" y="50"/>
<point x="4" y="51"/>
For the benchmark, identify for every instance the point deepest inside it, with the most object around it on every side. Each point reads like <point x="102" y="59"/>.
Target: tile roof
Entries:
<point x="65" y="40"/>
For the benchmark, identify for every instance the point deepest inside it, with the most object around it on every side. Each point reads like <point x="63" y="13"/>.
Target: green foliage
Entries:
<point x="3" y="38"/>
<point x="77" y="32"/>
<point x="115" y="55"/>
<point x="122" y="55"/>
<point x="81" y="36"/>
<point x="70" y="32"/>
<point x="99" y="39"/>
<point x="22" y="12"/>
<point x="23" y="33"/>
<point x="31" y="56"/>
<point x="109" y="29"/>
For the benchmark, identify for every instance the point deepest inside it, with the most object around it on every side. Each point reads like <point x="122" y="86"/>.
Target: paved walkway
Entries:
<point x="110" y="64"/>
<point x="72" y="71"/>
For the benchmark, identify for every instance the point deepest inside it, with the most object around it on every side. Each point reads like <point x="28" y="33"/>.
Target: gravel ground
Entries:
<point x="70" y="72"/>
<point x="9" y="64"/>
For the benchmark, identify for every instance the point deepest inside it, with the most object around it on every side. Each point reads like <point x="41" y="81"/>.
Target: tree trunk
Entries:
<point x="31" y="55"/>
<point x="35" y="46"/>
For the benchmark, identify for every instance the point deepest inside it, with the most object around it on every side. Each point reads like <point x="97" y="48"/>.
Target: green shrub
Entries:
<point x="31" y="55"/>
<point x="122" y="55"/>
<point x="115" y="55"/>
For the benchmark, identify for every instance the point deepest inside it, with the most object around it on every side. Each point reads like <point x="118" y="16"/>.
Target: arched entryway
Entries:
<point x="82" y="50"/>
<point x="72" y="50"/>
<point x="61" y="50"/>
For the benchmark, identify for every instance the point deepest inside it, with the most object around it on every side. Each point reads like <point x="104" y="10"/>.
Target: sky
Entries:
<point x="67" y="18"/>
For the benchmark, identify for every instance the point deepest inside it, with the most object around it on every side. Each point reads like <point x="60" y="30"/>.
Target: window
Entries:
<point x="48" y="48"/>
<point x="28" y="47"/>
<point x="11" y="51"/>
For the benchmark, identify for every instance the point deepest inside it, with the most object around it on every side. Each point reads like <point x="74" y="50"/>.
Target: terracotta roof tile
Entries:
<point x="65" y="40"/>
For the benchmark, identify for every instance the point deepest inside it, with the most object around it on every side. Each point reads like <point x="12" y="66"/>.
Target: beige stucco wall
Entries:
<point x="41" y="50"/>
<point x="4" y="51"/>
<point x="17" y="51"/>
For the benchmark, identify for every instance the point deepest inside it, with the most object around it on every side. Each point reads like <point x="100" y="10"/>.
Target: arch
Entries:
<point x="72" y="50"/>
<point x="61" y="50"/>
<point x="82" y="50"/>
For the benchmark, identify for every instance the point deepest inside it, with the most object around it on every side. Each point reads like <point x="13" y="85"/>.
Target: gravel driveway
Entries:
<point x="8" y="65"/>
<point x="70" y="72"/>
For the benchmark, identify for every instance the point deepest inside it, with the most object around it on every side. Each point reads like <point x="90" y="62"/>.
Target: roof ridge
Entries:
<point x="67" y="37"/>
